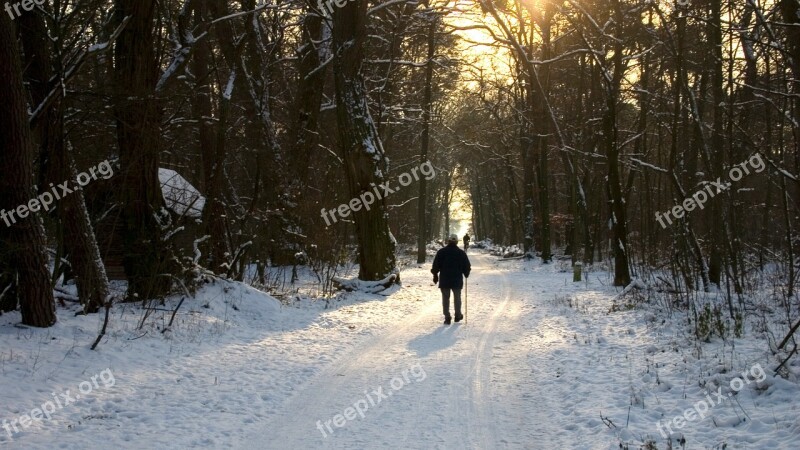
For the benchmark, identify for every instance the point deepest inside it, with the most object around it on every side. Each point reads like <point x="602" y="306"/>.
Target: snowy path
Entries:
<point x="522" y="373"/>
<point x="540" y="359"/>
<point x="444" y="401"/>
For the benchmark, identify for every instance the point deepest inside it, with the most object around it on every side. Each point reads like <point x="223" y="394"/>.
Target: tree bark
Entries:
<point x="211" y="146"/>
<point x="365" y="163"/>
<point x="542" y="87"/>
<point x="618" y="208"/>
<point x="422" y="201"/>
<point x="310" y="87"/>
<point x="138" y="114"/>
<point x="58" y="166"/>
<point x="718" y="227"/>
<point x="23" y="242"/>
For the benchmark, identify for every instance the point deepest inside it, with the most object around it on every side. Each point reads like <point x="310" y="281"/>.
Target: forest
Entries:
<point x="166" y="144"/>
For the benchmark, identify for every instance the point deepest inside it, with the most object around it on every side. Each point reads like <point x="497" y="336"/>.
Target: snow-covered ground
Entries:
<point x="542" y="363"/>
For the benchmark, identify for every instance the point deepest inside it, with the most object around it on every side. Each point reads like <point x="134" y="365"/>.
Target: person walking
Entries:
<point x="449" y="265"/>
<point x="466" y="242"/>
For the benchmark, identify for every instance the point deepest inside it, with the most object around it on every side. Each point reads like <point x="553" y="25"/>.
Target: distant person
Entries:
<point x="451" y="263"/>
<point x="466" y="242"/>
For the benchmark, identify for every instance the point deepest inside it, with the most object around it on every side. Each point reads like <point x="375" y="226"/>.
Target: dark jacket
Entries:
<point x="450" y="263"/>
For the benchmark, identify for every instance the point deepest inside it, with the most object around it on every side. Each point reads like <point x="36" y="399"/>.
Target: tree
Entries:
<point x="23" y="242"/>
<point x="77" y="237"/>
<point x="138" y="114"/>
<point x="364" y="158"/>
<point x="422" y="202"/>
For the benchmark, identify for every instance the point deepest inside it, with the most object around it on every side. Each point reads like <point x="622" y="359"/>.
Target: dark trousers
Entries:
<point x="446" y="301"/>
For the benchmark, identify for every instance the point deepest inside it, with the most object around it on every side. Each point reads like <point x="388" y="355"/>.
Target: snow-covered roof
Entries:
<point x="181" y="197"/>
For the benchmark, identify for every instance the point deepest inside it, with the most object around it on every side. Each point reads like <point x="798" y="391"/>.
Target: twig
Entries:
<point x="173" y="315"/>
<point x="789" y="335"/>
<point x="105" y="324"/>
<point x="607" y="421"/>
<point x="58" y="90"/>
<point x="791" y="353"/>
<point x="138" y="337"/>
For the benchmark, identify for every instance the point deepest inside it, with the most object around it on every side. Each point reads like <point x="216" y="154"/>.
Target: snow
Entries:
<point x="98" y="47"/>
<point x="229" y="88"/>
<point x="649" y="166"/>
<point x="181" y="197"/>
<point x="178" y="61"/>
<point x="541" y="362"/>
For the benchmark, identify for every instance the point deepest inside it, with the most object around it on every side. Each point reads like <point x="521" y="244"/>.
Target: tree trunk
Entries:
<point x="310" y="87"/>
<point x="446" y="204"/>
<point x="542" y="83"/>
<point x="527" y="144"/>
<point x="718" y="229"/>
<point x="212" y="154"/>
<point x="364" y="161"/>
<point x="616" y="200"/>
<point x="422" y="202"/>
<point x="23" y="242"/>
<point x="528" y="215"/>
<point x="138" y="114"/>
<point x="618" y="208"/>
<point x="58" y="166"/>
<point x="790" y="10"/>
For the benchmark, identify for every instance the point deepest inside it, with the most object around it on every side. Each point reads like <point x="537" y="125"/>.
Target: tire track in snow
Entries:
<point x="480" y="420"/>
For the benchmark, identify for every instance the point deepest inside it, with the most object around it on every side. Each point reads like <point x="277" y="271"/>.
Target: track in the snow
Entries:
<point x="450" y="406"/>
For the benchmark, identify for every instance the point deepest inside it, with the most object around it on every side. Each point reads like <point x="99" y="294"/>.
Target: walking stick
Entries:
<point x="466" y="305"/>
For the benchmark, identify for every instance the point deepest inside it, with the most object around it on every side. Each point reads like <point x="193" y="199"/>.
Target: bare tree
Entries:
<point x="139" y="113"/>
<point x="365" y="164"/>
<point x="78" y="236"/>
<point x="22" y="241"/>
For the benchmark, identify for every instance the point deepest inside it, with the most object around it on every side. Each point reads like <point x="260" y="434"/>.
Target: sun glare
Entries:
<point x="477" y="44"/>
